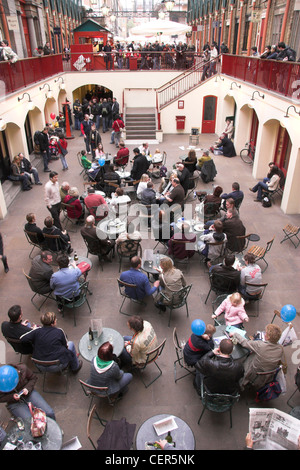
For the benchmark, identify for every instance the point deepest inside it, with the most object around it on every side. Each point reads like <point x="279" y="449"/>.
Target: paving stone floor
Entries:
<point x="164" y="396"/>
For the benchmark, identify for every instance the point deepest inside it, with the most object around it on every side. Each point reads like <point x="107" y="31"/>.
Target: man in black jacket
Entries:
<point x="16" y="327"/>
<point x="140" y="165"/>
<point x="219" y="372"/>
<point x="28" y="169"/>
<point x="44" y="147"/>
<point x="227" y="270"/>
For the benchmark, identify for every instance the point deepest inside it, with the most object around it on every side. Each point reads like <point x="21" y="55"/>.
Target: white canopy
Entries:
<point x="160" y="26"/>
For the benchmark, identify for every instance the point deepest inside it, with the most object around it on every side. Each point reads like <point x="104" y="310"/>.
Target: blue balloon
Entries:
<point x="101" y="161"/>
<point x="9" y="378"/>
<point x="288" y="313"/>
<point x="198" y="327"/>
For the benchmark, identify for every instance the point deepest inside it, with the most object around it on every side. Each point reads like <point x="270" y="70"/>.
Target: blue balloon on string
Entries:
<point x="198" y="327"/>
<point x="288" y="313"/>
<point x="9" y="378"/>
<point x="101" y="161"/>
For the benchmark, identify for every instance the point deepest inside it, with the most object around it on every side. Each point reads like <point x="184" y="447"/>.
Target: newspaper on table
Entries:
<point x="272" y="429"/>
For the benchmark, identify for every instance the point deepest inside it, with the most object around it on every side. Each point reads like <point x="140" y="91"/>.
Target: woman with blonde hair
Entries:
<point x="171" y="280"/>
<point x="142" y="185"/>
<point x="233" y="307"/>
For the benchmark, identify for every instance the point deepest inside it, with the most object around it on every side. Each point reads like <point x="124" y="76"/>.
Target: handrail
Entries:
<point x="185" y="83"/>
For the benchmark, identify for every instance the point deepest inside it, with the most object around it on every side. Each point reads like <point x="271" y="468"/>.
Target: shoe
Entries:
<point x="39" y="183"/>
<point x="77" y="370"/>
<point x="250" y="189"/>
<point x="27" y="189"/>
<point x="257" y="200"/>
<point x="6" y="269"/>
<point x="70" y="251"/>
<point x="47" y="170"/>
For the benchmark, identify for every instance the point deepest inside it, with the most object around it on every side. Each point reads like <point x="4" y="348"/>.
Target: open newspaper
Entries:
<point x="273" y="429"/>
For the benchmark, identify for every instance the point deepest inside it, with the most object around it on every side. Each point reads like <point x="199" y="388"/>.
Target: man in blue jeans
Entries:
<point x="18" y="405"/>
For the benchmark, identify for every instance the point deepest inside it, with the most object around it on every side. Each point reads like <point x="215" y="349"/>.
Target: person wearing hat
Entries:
<point x="15" y="379"/>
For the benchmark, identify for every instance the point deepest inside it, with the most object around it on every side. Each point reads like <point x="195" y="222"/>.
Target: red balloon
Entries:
<point x="52" y="115"/>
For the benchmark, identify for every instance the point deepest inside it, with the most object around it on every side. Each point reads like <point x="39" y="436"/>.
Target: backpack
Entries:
<point x="104" y="111"/>
<point x="269" y="391"/>
<point x="266" y="202"/>
<point x="36" y="137"/>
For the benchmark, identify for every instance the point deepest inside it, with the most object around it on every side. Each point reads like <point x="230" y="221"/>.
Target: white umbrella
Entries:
<point x="160" y="26"/>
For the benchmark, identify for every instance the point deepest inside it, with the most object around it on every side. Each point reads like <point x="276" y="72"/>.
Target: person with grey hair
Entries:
<point x="75" y="209"/>
<point x="204" y="158"/>
<point x="96" y="239"/>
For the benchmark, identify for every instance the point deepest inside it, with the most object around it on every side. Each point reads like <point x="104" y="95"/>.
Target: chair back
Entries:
<point x="179" y="298"/>
<point x="218" y="402"/>
<point x="216" y="250"/>
<point x="110" y="186"/>
<point x="32" y="238"/>
<point x="93" y="246"/>
<point x="211" y="209"/>
<point x="222" y="284"/>
<point x="90" y="390"/>
<point x="68" y="210"/>
<point x="29" y="280"/>
<point x="153" y="355"/>
<point x="19" y="346"/>
<point x="260" y="287"/>
<point x="121" y="161"/>
<point x="217" y="302"/>
<point x="98" y="212"/>
<point x="128" y="248"/>
<point x="176" y="344"/>
<point x="52" y="242"/>
<point x="269" y="244"/>
<point x="48" y="366"/>
<point x="124" y="286"/>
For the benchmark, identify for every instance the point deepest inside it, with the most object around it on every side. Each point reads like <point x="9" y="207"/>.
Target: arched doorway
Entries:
<point x="90" y="91"/>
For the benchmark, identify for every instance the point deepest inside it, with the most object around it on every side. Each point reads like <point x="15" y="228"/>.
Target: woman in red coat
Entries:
<point x="72" y="199"/>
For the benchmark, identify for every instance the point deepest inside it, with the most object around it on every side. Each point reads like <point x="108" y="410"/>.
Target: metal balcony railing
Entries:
<point x="26" y="72"/>
<point x="274" y="75"/>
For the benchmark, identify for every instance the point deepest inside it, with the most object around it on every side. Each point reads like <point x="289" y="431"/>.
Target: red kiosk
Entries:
<point x="83" y="55"/>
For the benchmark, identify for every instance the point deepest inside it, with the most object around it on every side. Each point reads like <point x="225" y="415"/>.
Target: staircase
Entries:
<point x="140" y="124"/>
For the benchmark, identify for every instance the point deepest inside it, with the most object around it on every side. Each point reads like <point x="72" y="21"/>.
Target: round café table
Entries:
<point x="108" y="334"/>
<point x="182" y="436"/>
<point x="51" y="440"/>
<point x="149" y="266"/>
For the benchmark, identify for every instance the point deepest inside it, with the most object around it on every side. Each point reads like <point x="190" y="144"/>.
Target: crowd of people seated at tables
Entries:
<point x="105" y="369"/>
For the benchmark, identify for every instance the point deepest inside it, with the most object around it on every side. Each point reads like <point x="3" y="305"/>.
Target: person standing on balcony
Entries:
<point x="213" y="56"/>
<point x="7" y="53"/>
<point x="108" y="56"/>
<point x="47" y="49"/>
<point x="86" y="126"/>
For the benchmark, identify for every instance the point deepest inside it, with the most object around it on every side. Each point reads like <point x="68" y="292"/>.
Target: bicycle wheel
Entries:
<point x="245" y="156"/>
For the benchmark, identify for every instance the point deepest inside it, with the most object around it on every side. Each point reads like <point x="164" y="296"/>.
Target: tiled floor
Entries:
<point x="164" y="396"/>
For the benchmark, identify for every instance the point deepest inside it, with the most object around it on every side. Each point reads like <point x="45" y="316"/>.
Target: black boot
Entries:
<point x="4" y="261"/>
